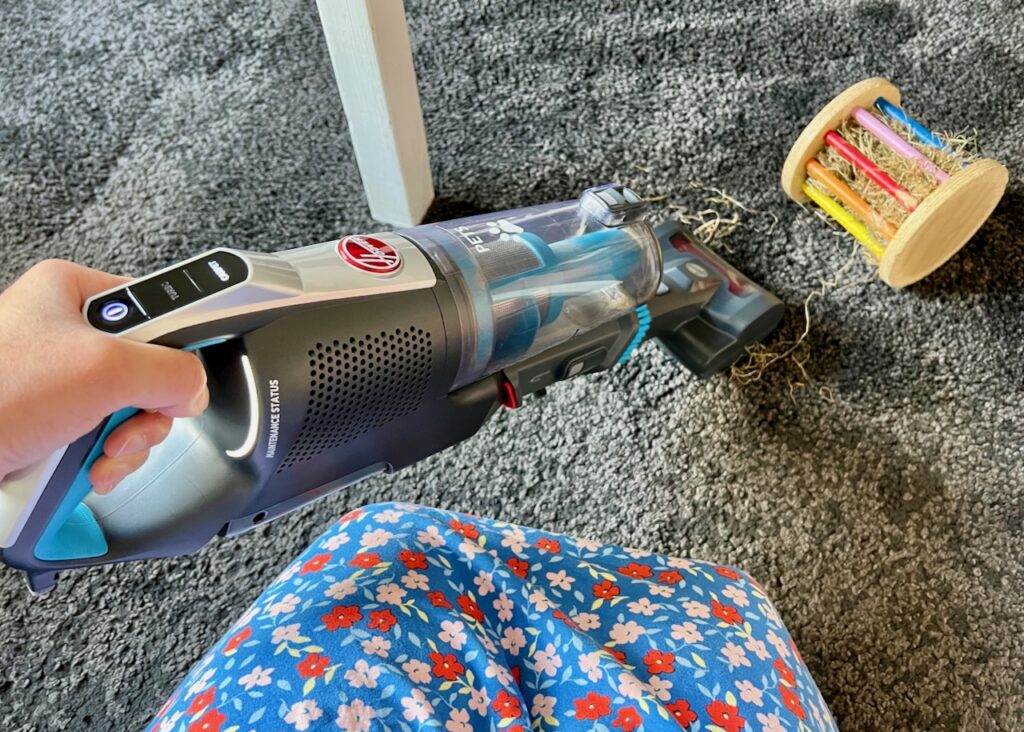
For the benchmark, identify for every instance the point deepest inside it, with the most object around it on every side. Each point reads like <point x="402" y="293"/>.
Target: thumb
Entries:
<point x="161" y="379"/>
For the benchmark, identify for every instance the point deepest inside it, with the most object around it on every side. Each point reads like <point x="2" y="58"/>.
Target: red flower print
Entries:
<point x="470" y="608"/>
<point x="785" y="672"/>
<point x="342" y="616"/>
<point x="437" y="599"/>
<point x="728" y="573"/>
<point x="548" y="545"/>
<point x="506" y="705"/>
<point x="792" y="702"/>
<point x="382" y="620"/>
<point x="725" y="716"/>
<point x="593" y="706"/>
<point x="351" y="516"/>
<point x="467" y="530"/>
<point x="726" y="613"/>
<point x="517" y="675"/>
<point x="606" y="590"/>
<point x="202" y="701"/>
<point x="236" y="640"/>
<point x="412" y="560"/>
<point x="659" y="663"/>
<point x="446" y="666"/>
<point x="312" y="666"/>
<point x="616" y="654"/>
<point x="681" y="712"/>
<point x="209" y="722"/>
<point x="636" y="570"/>
<point x="670" y="577"/>
<point x="316" y="563"/>
<point x="628" y="719"/>
<point x="516" y="728"/>
<point x="519" y="567"/>
<point x="369" y="560"/>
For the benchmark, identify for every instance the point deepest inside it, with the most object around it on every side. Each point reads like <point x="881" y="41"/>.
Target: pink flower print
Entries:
<point x="514" y="539"/>
<point x="540" y="600"/>
<point x="513" y="640"/>
<point x="626" y="632"/>
<point x="376" y="538"/>
<point x="758" y="648"/>
<point x="417" y="671"/>
<point x="679" y="563"/>
<point x="543" y="706"/>
<point x="778" y="643"/>
<point x="452" y="633"/>
<point x="737" y="595"/>
<point x="590" y="664"/>
<point x="770" y="723"/>
<point x="588" y="545"/>
<point x="643" y="606"/>
<point x="363" y="675"/>
<point x="687" y="633"/>
<point x="560" y="580"/>
<point x="355" y="717"/>
<point x="587" y="621"/>
<point x="750" y="693"/>
<point x="336" y="541"/>
<point x="302" y="713"/>
<point x="484" y="583"/>
<point x="390" y="593"/>
<point x="417" y="707"/>
<point x="431" y="537"/>
<point x="390" y="516"/>
<point x="416" y="581"/>
<point x="696" y="609"/>
<point x="479" y="701"/>
<point x="341" y="590"/>
<point x="376" y="646"/>
<point x="735" y="655"/>
<point x="660" y="688"/>
<point x="661" y="590"/>
<point x="504" y="607"/>
<point x="286" y="604"/>
<point x="257" y="676"/>
<point x="630" y="686"/>
<point x="458" y="721"/>
<point x="547" y="661"/>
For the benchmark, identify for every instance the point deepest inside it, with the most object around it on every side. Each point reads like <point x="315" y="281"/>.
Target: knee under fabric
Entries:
<point x="402" y="617"/>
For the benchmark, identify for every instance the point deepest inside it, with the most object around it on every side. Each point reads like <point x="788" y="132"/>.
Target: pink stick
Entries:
<point x="892" y="140"/>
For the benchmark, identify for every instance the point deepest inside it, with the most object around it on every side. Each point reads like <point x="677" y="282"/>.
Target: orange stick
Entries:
<point x="847" y="195"/>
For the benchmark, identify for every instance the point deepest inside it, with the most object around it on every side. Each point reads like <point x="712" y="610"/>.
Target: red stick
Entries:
<point x="836" y="141"/>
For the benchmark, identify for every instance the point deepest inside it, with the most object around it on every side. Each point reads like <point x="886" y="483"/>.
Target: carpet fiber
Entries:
<point x="882" y="505"/>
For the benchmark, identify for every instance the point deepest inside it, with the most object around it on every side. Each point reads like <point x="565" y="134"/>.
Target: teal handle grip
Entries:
<point x="73" y="532"/>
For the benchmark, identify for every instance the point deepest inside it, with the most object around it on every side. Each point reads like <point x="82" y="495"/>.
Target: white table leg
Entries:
<point x="369" y="45"/>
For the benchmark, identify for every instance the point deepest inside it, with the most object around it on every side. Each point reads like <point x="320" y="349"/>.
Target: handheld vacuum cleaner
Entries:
<point x="333" y="362"/>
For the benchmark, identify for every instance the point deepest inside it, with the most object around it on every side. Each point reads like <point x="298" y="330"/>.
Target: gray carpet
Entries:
<point x="886" y="522"/>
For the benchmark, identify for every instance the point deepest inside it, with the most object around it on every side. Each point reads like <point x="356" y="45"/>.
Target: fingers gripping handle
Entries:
<point x="73" y="532"/>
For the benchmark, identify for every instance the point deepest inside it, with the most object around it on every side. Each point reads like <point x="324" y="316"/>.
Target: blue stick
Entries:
<point x="921" y="132"/>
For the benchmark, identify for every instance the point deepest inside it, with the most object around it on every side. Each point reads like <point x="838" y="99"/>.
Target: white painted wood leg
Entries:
<point x="369" y="45"/>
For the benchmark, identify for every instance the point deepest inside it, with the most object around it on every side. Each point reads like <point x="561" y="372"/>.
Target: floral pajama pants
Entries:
<point x="402" y="617"/>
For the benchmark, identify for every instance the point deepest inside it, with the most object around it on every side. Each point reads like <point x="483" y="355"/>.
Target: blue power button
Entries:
<point x="114" y="311"/>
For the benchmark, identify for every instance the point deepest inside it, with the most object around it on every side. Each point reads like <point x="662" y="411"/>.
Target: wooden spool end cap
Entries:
<point x="811" y="140"/>
<point x="943" y="223"/>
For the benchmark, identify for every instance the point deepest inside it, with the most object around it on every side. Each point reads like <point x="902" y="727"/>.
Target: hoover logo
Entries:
<point x="370" y="255"/>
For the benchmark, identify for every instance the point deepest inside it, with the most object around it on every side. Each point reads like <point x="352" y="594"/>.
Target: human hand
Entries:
<point x="62" y="376"/>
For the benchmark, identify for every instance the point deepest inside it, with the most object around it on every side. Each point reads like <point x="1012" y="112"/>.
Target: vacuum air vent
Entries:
<point x="360" y="384"/>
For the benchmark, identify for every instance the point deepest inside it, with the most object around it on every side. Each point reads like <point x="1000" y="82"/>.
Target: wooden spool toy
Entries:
<point x="913" y="198"/>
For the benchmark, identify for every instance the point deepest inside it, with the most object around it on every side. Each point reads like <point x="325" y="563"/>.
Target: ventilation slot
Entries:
<point x="358" y="385"/>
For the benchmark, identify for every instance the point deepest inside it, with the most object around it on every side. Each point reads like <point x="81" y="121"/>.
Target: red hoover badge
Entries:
<point x="370" y="255"/>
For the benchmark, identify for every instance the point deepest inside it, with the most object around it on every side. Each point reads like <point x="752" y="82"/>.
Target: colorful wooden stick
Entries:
<point x="894" y="142"/>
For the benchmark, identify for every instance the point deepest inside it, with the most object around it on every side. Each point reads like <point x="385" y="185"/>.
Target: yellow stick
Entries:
<point x="845" y="219"/>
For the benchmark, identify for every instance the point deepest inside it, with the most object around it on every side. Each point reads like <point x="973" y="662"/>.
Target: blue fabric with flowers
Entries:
<point x="402" y="617"/>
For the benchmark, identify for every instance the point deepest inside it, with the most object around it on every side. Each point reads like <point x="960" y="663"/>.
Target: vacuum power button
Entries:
<point x="115" y="311"/>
